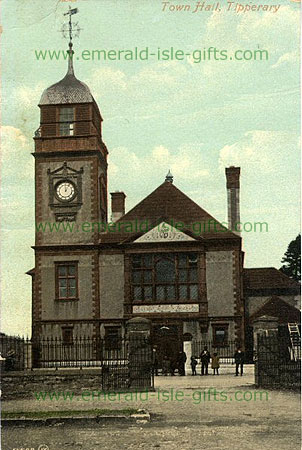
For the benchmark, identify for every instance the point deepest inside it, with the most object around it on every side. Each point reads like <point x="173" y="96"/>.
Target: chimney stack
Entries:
<point x="117" y="205"/>
<point x="233" y="186"/>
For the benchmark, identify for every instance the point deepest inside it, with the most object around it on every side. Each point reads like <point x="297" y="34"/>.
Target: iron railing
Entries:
<point x="225" y="351"/>
<point x="122" y="363"/>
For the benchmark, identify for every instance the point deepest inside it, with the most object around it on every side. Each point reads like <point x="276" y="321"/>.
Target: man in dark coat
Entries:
<point x="205" y="359"/>
<point x="239" y="360"/>
<point x="182" y="358"/>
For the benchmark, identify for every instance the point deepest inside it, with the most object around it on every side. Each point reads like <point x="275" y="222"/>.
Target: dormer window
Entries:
<point x="66" y="121"/>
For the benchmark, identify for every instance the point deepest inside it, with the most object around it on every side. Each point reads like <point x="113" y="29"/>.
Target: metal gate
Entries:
<point x="273" y="365"/>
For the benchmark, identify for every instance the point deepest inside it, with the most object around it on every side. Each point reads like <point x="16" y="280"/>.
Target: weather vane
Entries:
<point x="71" y="29"/>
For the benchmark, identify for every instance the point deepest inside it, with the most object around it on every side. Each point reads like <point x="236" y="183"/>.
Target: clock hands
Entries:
<point x="65" y="191"/>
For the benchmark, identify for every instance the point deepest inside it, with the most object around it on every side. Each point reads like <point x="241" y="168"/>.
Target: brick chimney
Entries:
<point x="117" y="205"/>
<point x="233" y="188"/>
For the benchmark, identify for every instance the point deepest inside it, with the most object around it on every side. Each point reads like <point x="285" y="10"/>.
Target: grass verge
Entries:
<point x="70" y="413"/>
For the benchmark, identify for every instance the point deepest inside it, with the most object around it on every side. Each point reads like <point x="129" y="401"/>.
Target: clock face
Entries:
<point x="65" y="190"/>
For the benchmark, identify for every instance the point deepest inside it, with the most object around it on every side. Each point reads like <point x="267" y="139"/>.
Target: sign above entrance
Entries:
<point x="164" y="232"/>
<point x="180" y="308"/>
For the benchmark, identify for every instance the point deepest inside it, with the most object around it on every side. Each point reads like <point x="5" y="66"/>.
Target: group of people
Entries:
<point x="169" y="366"/>
<point x="205" y="358"/>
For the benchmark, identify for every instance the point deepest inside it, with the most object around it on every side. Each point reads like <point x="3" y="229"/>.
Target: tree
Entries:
<point x="292" y="259"/>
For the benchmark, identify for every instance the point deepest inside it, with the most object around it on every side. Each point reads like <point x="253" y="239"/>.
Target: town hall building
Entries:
<point x="167" y="259"/>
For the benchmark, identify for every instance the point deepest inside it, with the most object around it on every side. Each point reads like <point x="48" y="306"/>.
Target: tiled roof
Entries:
<point x="67" y="91"/>
<point x="168" y="204"/>
<point x="267" y="278"/>
<point x="276" y="307"/>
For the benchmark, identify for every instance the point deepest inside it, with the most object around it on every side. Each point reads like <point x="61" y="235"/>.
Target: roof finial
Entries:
<point x="169" y="177"/>
<point x="70" y="60"/>
<point x="70" y="30"/>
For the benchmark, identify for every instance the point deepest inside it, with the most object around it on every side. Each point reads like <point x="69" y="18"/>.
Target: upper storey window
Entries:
<point x="164" y="277"/>
<point x="66" y="120"/>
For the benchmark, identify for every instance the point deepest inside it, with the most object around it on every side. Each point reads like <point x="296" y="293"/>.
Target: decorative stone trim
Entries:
<point x="193" y="308"/>
<point x="164" y="233"/>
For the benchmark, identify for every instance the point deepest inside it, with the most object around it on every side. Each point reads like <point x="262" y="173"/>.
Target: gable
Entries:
<point x="276" y="307"/>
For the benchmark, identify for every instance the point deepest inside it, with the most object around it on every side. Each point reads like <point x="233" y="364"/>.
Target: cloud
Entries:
<point x="259" y="150"/>
<point x="12" y="135"/>
<point x="107" y="78"/>
<point x="167" y="74"/>
<point x="280" y="29"/>
<point x="17" y="174"/>
<point x="16" y="154"/>
<point x="161" y="154"/>
<point x="29" y="96"/>
<point x="287" y="58"/>
<point x="150" y="168"/>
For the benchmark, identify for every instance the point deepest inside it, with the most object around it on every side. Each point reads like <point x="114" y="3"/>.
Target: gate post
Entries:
<point x="264" y="327"/>
<point x="140" y="353"/>
<point x="187" y="348"/>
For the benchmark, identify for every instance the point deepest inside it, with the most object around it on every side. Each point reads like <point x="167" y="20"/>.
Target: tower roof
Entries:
<point x="68" y="90"/>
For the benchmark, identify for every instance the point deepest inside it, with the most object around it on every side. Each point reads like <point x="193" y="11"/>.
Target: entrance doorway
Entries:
<point x="167" y="341"/>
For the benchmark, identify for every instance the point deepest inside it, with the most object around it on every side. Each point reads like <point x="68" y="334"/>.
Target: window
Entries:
<point x="66" y="121"/>
<point x="165" y="277"/>
<point x="112" y="338"/>
<point x="67" y="281"/>
<point x="220" y="335"/>
<point x="67" y="335"/>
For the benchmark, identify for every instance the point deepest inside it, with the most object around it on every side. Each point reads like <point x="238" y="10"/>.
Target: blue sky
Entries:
<point x="194" y="119"/>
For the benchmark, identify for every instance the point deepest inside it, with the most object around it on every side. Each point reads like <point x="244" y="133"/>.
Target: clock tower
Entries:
<point x="70" y="208"/>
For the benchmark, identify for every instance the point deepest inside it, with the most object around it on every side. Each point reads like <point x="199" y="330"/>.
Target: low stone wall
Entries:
<point x="25" y="384"/>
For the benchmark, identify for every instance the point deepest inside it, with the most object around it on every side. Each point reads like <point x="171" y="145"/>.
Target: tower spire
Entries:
<point x="73" y="30"/>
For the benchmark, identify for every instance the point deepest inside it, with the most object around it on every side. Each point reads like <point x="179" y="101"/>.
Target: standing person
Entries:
<point x="182" y="358"/>
<point x="155" y="362"/>
<point x="193" y="365"/>
<point x="215" y="363"/>
<point x="165" y="365"/>
<point x="9" y="363"/>
<point x="173" y="365"/>
<point x="205" y="359"/>
<point x="239" y="360"/>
